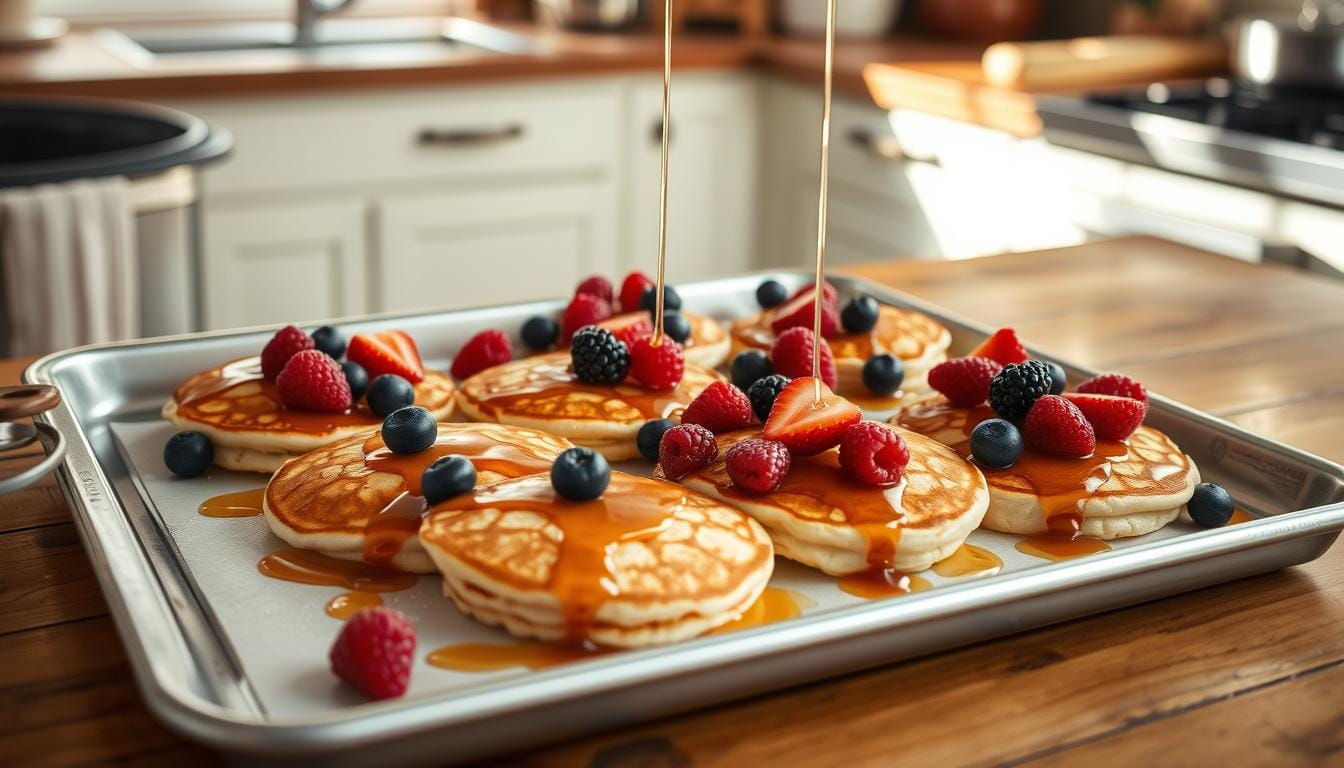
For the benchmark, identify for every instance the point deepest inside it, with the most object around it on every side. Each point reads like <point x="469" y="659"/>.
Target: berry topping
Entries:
<point x="671" y="299"/>
<point x="387" y="352"/>
<point x="449" y="476"/>
<point x="677" y="326"/>
<point x="188" y="454"/>
<point x="827" y="291"/>
<point x="1112" y="418"/>
<point x="329" y="340"/>
<point x="583" y="310"/>
<point x="286" y="343"/>
<point x="792" y="356"/>
<point x="805" y="426"/>
<point x="580" y="474"/>
<point x="409" y="430"/>
<point x="883" y="374"/>
<point x="1211" y="506"/>
<point x="650" y="435"/>
<point x="375" y="652"/>
<point x="632" y="288"/>
<point x="797" y="313"/>
<point x="762" y="394"/>
<point x="771" y="293"/>
<point x="484" y="350"/>
<point x="599" y="357"/>
<point x="749" y="367"/>
<point x="598" y="286"/>
<point x="686" y="448"/>
<point x="1058" y="379"/>
<point x="859" y="314"/>
<point x="1013" y="389"/>
<point x="1114" y="384"/>
<point x="657" y="366"/>
<point x="721" y="407"/>
<point x="388" y="393"/>
<point x="996" y="443"/>
<point x="756" y="465"/>
<point x="874" y="453"/>
<point x="964" y="381"/>
<point x="356" y="377"/>
<point x="540" y="332"/>
<point x="1002" y="347"/>
<point x="312" y="381"/>
<point x="1055" y="425"/>
<point x="629" y="328"/>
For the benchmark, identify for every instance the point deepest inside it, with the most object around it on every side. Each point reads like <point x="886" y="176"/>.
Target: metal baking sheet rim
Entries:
<point x="164" y="663"/>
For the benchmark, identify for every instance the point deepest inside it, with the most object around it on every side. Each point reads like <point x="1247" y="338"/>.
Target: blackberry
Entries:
<point x="1018" y="386"/>
<point x="763" y="393"/>
<point x="599" y="357"/>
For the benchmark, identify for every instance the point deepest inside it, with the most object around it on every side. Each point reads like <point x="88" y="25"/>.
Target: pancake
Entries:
<point x="540" y="392"/>
<point x="253" y="432"/>
<point x="356" y="500"/>
<point x="1126" y="488"/>
<point x="821" y="517"/>
<point x="648" y="563"/>
<point x="707" y="346"/>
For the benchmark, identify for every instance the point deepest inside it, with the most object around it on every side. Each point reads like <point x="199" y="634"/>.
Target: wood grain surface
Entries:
<point x="1245" y="673"/>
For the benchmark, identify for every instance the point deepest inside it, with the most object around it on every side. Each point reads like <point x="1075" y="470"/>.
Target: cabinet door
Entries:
<point x="487" y="246"/>
<point x="283" y="263"/>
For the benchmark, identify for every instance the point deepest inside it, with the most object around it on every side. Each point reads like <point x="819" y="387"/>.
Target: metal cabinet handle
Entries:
<point x="884" y="147"/>
<point x="467" y="137"/>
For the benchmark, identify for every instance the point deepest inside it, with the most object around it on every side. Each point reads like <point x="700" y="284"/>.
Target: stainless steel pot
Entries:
<point x="589" y="14"/>
<point x="1303" y="50"/>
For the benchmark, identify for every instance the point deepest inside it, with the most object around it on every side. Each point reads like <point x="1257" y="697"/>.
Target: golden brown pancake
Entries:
<point x="648" y="563"/>
<point x="707" y="346"/>
<point x="356" y="500"/>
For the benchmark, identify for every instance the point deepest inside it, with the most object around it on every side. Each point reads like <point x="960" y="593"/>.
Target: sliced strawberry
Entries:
<point x="798" y="311"/>
<point x="827" y="290"/>
<point x="1003" y="347"/>
<point x="805" y="426"/>
<point x="386" y="352"/>
<point x="1112" y="417"/>
<point x="629" y="327"/>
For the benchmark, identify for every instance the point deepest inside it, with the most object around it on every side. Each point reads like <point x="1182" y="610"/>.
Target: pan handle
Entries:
<point x="54" y="444"/>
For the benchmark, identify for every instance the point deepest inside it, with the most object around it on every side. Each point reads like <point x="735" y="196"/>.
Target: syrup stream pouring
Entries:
<point x="662" y="176"/>
<point x="823" y="191"/>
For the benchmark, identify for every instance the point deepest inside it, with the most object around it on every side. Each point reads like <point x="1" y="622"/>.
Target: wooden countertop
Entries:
<point x="1248" y="673"/>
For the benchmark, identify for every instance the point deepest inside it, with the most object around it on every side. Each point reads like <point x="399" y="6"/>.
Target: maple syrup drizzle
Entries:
<point x="662" y="175"/>
<point x="876" y="584"/>
<point x="1240" y="515"/>
<point x="774" y="605"/>
<point x="347" y="604"/>
<point x="823" y="199"/>
<point x="968" y="560"/>
<point x="237" y="504"/>
<point x="551" y="374"/>
<point x="304" y="567"/>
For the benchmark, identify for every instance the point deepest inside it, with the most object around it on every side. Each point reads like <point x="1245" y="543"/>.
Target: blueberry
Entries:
<point x="771" y="293"/>
<point x="763" y="393"/>
<point x="859" y="315"/>
<point x="677" y="326"/>
<point x="1058" y="380"/>
<point x="330" y="341"/>
<point x="580" y="474"/>
<point x="356" y="377"/>
<point x="388" y="393"/>
<point x="883" y="374"/>
<point x="540" y="332"/>
<point x="750" y="367"/>
<point x="1211" y="506"/>
<point x="188" y="454"/>
<point x="410" y="430"/>
<point x="650" y="435"/>
<point x="671" y="299"/>
<point x="449" y="476"/>
<point x="996" y="443"/>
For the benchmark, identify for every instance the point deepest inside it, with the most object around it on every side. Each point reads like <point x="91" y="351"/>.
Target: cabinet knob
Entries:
<point x="467" y="137"/>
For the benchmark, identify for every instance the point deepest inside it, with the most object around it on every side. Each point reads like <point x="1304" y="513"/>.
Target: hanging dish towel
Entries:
<point x="71" y="276"/>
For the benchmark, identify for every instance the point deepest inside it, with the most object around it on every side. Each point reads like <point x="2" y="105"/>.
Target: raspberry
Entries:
<point x="758" y="466"/>
<point x="599" y="357"/>
<point x="1013" y="389"/>
<point x="1111" y="417"/>
<point x="658" y="367"/>
<point x="584" y="309"/>
<point x="799" y="312"/>
<point x="286" y="343"/>
<point x="964" y="381"/>
<point x="484" y="350"/>
<point x="1003" y="348"/>
<point x="684" y="449"/>
<point x="375" y="652"/>
<point x="1055" y="425"/>
<point x="792" y="356"/>
<point x="874" y="453"/>
<point x="721" y="407"/>
<point x="1116" y="384"/>
<point x="312" y="381"/>
<point x="632" y="288"/>
<point x="596" y="285"/>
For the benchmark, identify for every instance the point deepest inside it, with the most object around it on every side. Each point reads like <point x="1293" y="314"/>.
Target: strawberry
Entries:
<point x="758" y="466"/>
<point x="720" y="407"/>
<point x="596" y="285"/>
<point x="375" y="652"/>
<point x="386" y="352"/>
<point x="629" y="326"/>
<point x="1114" y="384"/>
<point x="632" y="287"/>
<point x="286" y="343"/>
<point x="805" y="426"/>
<point x="1112" y="417"/>
<point x="792" y="356"/>
<point x="1003" y="348"/>
<point x="484" y="350"/>
<point x="686" y="448"/>
<point x="312" y="381"/>
<point x="874" y="453"/>
<point x="828" y="292"/>
<point x="658" y="367"/>
<point x="584" y="309"/>
<point x="1055" y="425"/>
<point x="798" y="312"/>
<point x="964" y="381"/>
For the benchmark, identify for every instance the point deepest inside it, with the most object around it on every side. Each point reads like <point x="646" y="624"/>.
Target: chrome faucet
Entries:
<point x="306" y="14"/>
